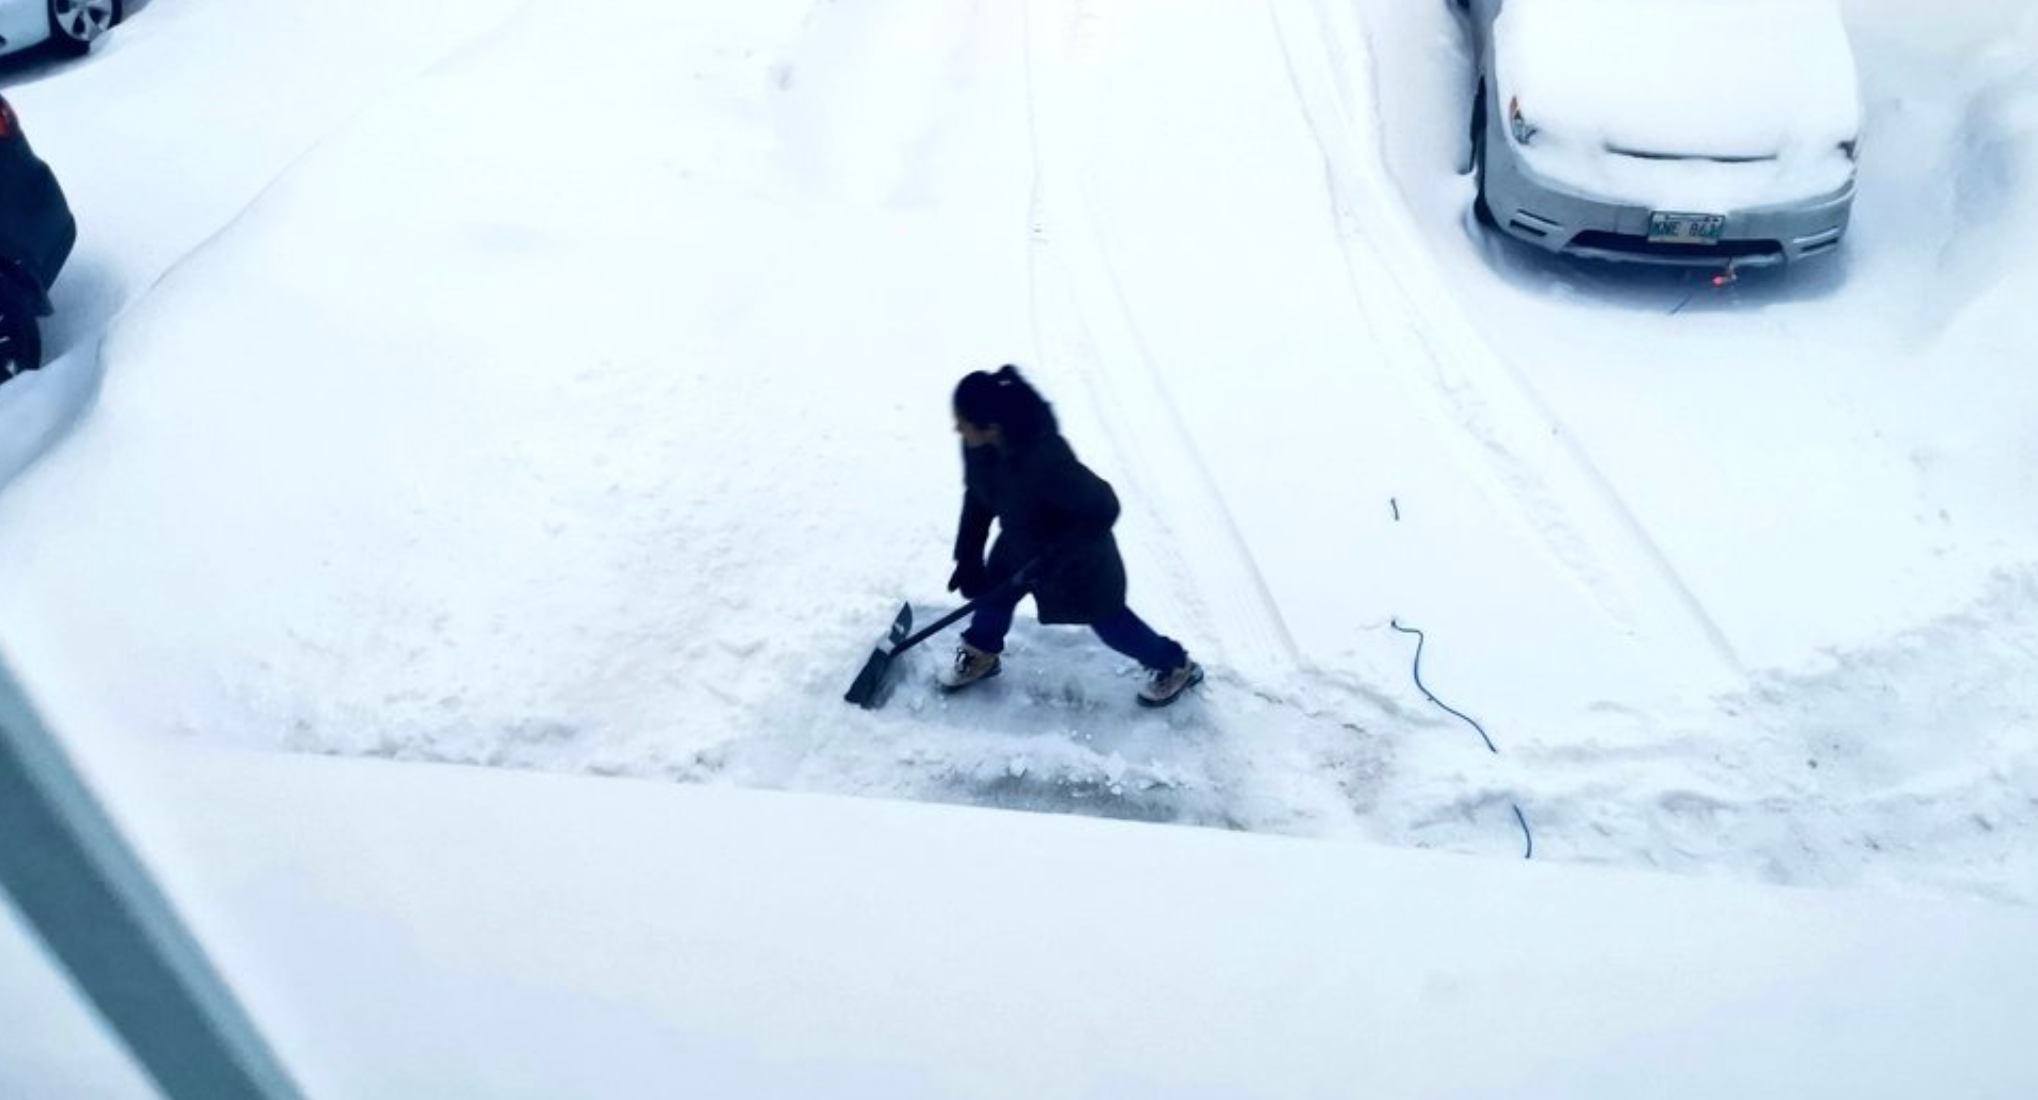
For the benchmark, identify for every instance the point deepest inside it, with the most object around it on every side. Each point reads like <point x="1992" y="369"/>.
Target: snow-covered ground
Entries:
<point x="491" y="384"/>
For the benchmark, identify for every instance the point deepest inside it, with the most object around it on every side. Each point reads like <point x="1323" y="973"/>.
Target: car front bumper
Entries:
<point x="1560" y="219"/>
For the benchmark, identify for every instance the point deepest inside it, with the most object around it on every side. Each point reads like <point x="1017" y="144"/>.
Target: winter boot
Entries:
<point x="971" y="665"/>
<point x="1164" y="687"/>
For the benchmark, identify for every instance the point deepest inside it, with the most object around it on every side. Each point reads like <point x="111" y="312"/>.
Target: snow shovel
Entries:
<point x="868" y="690"/>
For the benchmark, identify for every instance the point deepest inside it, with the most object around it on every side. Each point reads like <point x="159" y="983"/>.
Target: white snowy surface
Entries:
<point x="487" y="384"/>
<point x="481" y="384"/>
<point x="1773" y="81"/>
<point x="414" y="931"/>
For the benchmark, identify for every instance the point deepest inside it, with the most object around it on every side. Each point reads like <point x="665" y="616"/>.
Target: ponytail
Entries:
<point x="1006" y="399"/>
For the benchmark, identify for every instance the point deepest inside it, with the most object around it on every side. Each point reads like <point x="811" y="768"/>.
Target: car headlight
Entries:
<point x="1523" y="129"/>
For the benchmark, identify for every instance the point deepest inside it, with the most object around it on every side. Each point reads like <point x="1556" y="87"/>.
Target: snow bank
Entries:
<point x="159" y="144"/>
<point x="431" y="931"/>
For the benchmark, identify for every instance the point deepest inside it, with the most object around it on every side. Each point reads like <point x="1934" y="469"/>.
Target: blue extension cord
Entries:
<point x="1528" y="837"/>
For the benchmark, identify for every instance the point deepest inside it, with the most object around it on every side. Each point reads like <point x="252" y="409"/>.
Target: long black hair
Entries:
<point x="1007" y="400"/>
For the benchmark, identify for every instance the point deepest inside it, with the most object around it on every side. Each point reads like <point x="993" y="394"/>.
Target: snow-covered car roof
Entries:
<point x="1734" y="80"/>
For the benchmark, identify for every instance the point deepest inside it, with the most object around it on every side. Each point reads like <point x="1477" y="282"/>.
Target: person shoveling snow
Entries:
<point x="1054" y="519"/>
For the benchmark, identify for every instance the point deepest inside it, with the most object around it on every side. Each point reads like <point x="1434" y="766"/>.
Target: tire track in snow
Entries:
<point x="1081" y="318"/>
<point x="1563" y="498"/>
<point x="1299" y="769"/>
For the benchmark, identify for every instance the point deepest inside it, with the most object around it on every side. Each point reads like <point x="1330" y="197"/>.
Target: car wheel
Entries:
<point x="76" y="24"/>
<point x="20" y="337"/>
<point x="1480" y="209"/>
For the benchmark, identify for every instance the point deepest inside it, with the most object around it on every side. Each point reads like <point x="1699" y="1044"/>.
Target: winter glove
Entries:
<point x="970" y="578"/>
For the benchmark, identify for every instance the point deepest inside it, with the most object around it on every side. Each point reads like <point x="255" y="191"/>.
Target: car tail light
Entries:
<point x="8" y="125"/>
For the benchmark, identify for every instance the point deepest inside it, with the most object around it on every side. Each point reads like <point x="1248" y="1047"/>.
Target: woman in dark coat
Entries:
<point x="1054" y="532"/>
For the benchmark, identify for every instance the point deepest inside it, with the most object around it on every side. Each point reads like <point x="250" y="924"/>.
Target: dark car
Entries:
<point x="66" y="27"/>
<point x="36" y="234"/>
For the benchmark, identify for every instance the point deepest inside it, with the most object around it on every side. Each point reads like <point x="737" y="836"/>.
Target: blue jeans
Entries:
<point x="1125" y="632"/>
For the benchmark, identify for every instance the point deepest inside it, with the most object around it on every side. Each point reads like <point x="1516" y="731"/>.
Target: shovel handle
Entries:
<point x="1017" y="580"/>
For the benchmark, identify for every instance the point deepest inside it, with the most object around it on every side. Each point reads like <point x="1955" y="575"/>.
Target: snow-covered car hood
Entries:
<point x="1743" y="101"/>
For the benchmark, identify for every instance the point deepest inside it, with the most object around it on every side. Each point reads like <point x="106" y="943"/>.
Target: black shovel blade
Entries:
<point x="870" y="682"/>
<point x="869" y="689"/>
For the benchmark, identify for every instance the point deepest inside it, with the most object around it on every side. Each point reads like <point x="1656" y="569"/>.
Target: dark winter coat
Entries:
<point x="1044" y="500"/>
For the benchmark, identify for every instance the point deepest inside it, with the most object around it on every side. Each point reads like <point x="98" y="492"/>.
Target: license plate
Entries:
<point x="1666" y="228"/>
